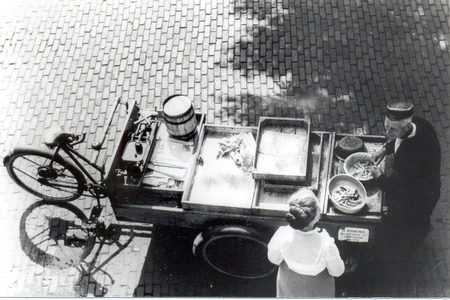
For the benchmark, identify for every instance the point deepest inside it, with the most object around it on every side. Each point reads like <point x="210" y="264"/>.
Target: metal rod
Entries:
<point x="83" y="169"/>
<point x="179" y="166"/>
<point x="73" y="151"/>
<point x="165" y="174"/>
<point x="98" y="145"/>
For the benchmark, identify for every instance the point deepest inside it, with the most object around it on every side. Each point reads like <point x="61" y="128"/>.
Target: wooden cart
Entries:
<point x="232" y="211"/>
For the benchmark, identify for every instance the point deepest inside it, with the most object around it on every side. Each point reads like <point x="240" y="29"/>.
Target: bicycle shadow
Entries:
<point x="42" y="227"/>
<point x="51" y="236"/>
<point x="86" y="283"/>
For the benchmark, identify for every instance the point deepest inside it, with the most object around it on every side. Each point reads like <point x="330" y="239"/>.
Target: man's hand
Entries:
<point x="376" y="172"/>
<point x="377" y="157"/>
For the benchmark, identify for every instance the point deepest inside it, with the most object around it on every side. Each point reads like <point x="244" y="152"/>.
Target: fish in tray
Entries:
<point x="240" y="148"/>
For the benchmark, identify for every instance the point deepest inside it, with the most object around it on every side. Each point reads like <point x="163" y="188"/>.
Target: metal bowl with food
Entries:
<point x="347" y="194"/>
<point x="360" y="166"/>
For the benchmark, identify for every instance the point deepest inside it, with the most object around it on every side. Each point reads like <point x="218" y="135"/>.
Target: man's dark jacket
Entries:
<point x="413" y="189"/>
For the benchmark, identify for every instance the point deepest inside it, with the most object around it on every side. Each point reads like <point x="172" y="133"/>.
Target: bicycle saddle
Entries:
<point x="55" y="135"/>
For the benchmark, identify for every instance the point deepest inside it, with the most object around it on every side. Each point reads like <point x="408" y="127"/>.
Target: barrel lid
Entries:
<point x="176" y="105"/>
<point x="349" y="145"/>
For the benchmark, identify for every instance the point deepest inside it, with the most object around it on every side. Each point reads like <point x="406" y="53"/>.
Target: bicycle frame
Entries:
<point x="97" y="146"/>
<point x="73" y="154"/>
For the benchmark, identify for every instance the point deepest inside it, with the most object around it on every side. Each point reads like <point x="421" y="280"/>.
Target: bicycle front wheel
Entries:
<point x="32" y="171"/>
<point x="53" y="234"/>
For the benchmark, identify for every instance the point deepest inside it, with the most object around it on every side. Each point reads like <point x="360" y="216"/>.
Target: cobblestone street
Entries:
<point x="336" y="62"/>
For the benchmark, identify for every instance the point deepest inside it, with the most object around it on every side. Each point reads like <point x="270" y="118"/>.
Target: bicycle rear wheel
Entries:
<point x="52" y="234"/>
<point x="31" y="170"/>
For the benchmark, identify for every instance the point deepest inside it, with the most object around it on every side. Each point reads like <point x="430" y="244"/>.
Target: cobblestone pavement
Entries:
<point x="335" y="62"/>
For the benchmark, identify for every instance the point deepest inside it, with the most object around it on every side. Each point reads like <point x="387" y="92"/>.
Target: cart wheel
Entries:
<point x="234" y="250"/>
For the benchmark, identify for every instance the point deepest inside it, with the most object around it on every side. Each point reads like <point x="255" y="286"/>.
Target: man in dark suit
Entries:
<point x="413" y="189"/>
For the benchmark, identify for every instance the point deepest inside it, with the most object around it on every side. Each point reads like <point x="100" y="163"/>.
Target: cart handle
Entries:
<point x="97" y="145"/>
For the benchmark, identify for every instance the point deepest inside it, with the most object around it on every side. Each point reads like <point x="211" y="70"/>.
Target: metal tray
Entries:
<point x="271" y="197"/>
<point x="218" y="184"/>
<point x="282" y="149"/>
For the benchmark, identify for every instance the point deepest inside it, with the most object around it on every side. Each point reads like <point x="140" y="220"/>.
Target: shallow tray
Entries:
<point x="271" y="197"/>
<point x="218" y="184"/>
<point x="282" y="149"/>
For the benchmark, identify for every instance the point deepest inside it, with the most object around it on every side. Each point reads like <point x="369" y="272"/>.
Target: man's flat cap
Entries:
<point x="399" y="110"/>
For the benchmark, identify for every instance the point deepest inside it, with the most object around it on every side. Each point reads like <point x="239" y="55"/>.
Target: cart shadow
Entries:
<point x="171" y="270"/>
<point x="376" y="277"/>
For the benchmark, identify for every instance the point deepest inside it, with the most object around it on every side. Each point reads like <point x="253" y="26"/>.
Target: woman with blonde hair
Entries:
<point x="308" y="258"/>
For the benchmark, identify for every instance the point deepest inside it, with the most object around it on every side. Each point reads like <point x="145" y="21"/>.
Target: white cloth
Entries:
<point x="399" y="141"/>
<point x="307" y="253"/>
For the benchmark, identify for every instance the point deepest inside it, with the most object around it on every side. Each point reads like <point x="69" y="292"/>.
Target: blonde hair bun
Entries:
<point x="303" y="209"/>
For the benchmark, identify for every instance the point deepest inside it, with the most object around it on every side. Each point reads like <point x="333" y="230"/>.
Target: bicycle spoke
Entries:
<point x="40" y="233"/>
<point x="43" y="215"/>
<point x="33" y="162"/>
<point x="23" y="172"/>
<point x="65" y="176"/>
<point x="41" y="242"/>
<point x="54" y="189"/>
<point x="55" y="182"/>
<point x="67" y="188"/>
<point x="49" y="232"/>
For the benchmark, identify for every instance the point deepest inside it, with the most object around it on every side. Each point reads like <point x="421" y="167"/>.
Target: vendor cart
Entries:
<point x="192" y="184"/>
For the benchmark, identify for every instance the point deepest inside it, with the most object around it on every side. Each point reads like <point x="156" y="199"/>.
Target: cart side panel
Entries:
<point x="114" y="163"/>
<point x="333" y="229"/>
<point x="180" y="217"/>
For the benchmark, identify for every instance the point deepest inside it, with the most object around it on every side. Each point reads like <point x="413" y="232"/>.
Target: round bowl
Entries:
<point x="347" y="181"/>
<point x="360" y="159"/>
<point x="349" y="145"/>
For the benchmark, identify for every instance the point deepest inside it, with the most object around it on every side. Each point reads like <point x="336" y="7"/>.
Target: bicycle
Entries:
<point x="46" y="174"/>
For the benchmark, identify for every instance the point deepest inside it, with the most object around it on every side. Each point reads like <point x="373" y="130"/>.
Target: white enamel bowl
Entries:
<point x="351" y="182"/>
<point x="355" y="158"/>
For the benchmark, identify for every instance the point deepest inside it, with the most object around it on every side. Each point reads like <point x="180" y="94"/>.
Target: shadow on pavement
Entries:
<point x="51" y="235"/>
<point x="384" y="278"/>
<point x="171" y="270"/>
<point x="86" y="283"/>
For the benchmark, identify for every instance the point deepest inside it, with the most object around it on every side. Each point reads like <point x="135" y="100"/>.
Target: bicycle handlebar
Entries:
<point x="78" y="139"/>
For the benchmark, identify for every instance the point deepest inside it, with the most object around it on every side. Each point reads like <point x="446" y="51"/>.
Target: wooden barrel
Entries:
<point x="179" y="117"/>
